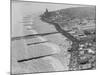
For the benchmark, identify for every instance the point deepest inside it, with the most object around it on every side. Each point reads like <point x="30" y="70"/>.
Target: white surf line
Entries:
<point x="29" y="28"/>
<point x="56" y="64"/>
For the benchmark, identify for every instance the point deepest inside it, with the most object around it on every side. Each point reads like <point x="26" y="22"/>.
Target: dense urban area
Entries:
<point x="81" y="33"/>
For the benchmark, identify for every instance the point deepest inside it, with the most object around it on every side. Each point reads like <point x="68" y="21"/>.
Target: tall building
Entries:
<point x="46" y="13"/>
<point x="46" y="10"/>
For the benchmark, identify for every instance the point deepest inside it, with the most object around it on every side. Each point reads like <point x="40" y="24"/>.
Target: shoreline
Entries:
<point x="75" y="44"/>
